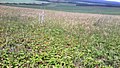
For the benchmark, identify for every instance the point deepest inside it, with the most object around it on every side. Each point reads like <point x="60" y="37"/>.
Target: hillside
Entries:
<point x="93" y="2"/>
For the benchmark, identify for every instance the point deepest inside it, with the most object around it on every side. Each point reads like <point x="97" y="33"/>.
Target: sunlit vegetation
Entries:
<point x="63" y="40"/>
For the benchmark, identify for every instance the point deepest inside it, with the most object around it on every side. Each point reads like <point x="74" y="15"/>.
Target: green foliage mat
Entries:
<point x="34" y="45"/>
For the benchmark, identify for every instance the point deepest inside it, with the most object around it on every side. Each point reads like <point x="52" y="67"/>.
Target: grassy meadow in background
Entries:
<point x="63" y="40"/>
<point x="76" y="9"/>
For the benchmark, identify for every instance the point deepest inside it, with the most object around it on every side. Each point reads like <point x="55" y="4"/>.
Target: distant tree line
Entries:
<point x="42" y="4"/>
<point x="106" y="5"/>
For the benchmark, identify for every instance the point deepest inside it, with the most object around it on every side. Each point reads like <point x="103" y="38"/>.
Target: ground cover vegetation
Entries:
<point x="63" y="40"/>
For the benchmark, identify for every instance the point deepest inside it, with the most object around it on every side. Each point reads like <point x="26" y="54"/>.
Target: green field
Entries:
<point x="79" y="9"/>
<point x="59" y="42"/>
